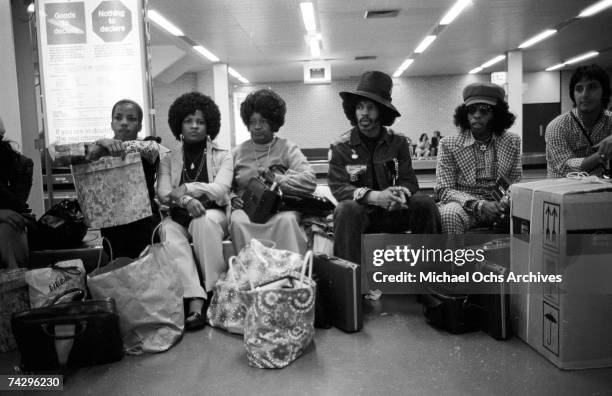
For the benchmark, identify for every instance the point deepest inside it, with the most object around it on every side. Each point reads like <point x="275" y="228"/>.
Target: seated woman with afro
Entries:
<point x="195" y="181"/>
<point x="272" y="158"/>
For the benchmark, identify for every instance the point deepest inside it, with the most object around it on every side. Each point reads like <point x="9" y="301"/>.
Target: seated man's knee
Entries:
<point x="454" y="218"/>
<point x="347" y="208"/>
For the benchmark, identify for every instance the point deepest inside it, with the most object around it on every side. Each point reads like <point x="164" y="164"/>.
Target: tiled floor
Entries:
<point x="397" y="353"/>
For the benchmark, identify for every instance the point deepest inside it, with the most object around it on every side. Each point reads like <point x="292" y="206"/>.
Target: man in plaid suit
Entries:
<point x="581" y="139"/>
<point x="470" y="163"/>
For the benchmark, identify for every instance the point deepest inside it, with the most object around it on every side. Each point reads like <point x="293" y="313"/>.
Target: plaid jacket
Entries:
<point x="566" y="145"/>
<point x="456" y="179"/>
<point x="350" y="177"/>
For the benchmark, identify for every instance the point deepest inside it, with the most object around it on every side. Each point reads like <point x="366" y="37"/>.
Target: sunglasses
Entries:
<point x="482" y="108"/>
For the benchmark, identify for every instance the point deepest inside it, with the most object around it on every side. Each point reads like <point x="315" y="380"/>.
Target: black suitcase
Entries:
<point x="68" y="335"/>
<point x="338" y="292"/>
<point x="453" y="312"/>
<point x="494" y="303"/>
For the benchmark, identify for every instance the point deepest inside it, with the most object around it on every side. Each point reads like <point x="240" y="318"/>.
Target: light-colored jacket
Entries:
<point x="219" y="165"/>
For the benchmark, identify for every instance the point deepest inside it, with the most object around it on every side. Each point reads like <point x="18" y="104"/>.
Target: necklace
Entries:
<point x="186" y="177"/>
<point x="483" y="144"/>
<point x="255" y="153"/>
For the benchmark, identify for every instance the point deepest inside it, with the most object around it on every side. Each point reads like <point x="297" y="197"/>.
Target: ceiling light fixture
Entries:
<point x="403" y="67"/>
<point x="207" y="54"/>
<point x="237" y="75"/>
<point x="537" y="38"/>
<point x="454" y="12"/>
<point x="579" y="58"/>
<point x="493" y="61"/>
<point x="165" y="24"/>
<point x="308" y="17"/>
<point x="555" y="67"/>
<point x="424" y="44"/>
<point x="475" y="70"/>
<point x="595" y="8"/>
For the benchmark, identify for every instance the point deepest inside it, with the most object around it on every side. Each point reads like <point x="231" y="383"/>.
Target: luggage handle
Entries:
<point x="307" y="262"/>
<point x="82" y="324"/>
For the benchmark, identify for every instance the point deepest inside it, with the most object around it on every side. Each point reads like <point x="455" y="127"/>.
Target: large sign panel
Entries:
<point x="92" y="54"/>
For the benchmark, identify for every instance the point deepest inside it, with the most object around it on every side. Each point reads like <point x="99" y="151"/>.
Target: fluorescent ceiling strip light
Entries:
<point x="405" y="64"/>
<point x="454" y="11"/>
<point x="595" y="8"/>
<point x="555" y="67"/>
<point x="424" y="44"/>
<point x="493" y="61"/>
<point x="475" y="70"/>
<point x="237" y="75"/>
<point x="315" y="49"/>
<point x="579" y="58"/>
<point x="308" y="17"/>
<point x="537" y="38"/>
<point x="403" y="67"/>
<point x="207" y="54"/>
<point x="164" y="23"/>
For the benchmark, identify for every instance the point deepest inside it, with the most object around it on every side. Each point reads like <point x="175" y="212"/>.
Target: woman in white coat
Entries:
<point x="195" y="181"/>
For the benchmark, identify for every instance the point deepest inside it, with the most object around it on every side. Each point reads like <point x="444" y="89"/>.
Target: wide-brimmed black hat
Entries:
<point x="376" y="86"/>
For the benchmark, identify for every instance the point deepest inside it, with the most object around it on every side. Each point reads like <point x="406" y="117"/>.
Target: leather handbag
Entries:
<point x="62" y="226"/>
<point x="309" y="205"/>
<point x="68" y="335"/>
<point x="259" y="201"/>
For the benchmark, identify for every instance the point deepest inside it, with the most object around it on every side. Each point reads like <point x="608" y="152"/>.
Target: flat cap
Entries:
<point x="487" y="93"/>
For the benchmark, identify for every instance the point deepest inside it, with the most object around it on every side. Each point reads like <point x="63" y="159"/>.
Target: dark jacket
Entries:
<point x="15" y="184"/>
<point x="350" y="175"/>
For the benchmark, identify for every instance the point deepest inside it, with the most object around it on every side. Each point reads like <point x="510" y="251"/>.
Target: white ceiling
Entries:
<point x="264" y="39"/>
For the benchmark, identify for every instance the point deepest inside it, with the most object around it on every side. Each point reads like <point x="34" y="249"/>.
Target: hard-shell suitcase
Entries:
<point x="339" y="292"/>
<point x="494" y="302"/>
<point x="68" y="335"/>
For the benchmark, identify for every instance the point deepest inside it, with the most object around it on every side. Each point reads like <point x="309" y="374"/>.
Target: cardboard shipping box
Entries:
<point x="563" y="227"/>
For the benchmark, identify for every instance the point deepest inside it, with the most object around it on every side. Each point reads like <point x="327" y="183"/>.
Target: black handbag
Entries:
<point x="259" y="201"/>
<point x="309" y="205"/>
<point x="68" y="335"/>
<point x="63" y="226"/>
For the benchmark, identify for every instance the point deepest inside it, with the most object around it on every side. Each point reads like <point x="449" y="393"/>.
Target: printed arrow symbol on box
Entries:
<point x="554" y="232"/>
<point x="547" y="221"/>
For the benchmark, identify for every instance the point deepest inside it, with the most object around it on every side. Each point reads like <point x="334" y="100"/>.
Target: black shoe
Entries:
<point x="195" y="321"/>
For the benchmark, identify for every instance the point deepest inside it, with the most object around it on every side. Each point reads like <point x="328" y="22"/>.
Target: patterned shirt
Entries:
<point x="566" y="144"/>
<point x="466" y="172"/>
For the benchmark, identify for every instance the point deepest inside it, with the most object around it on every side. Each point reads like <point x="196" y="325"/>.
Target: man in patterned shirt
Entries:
<point x="470" y="163"/>
<point x="581" y="139"/>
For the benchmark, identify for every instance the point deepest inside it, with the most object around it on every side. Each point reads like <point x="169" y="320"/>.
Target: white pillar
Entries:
<point x="515" y="90"/>
<point x="18" y="99"/>
<point x="9" y="99"/>
<point x="222" y="98"/>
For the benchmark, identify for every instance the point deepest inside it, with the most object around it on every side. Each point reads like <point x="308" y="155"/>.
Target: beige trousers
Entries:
<point x="206" y="233"/>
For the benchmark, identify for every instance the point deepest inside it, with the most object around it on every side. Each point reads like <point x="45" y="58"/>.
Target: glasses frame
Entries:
<point x="482" y="108"/>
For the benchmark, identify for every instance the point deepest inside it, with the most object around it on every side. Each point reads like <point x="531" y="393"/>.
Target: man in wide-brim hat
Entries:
<point x="370" y="172"/>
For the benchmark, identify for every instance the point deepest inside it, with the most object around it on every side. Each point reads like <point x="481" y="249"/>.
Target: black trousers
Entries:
<point x="351" y="219"/>
<point x="129" y="240"/>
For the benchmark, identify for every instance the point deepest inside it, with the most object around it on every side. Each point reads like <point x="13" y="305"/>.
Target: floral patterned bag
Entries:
<point x="279" y="322"/>
<point x="255" y="263"/>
